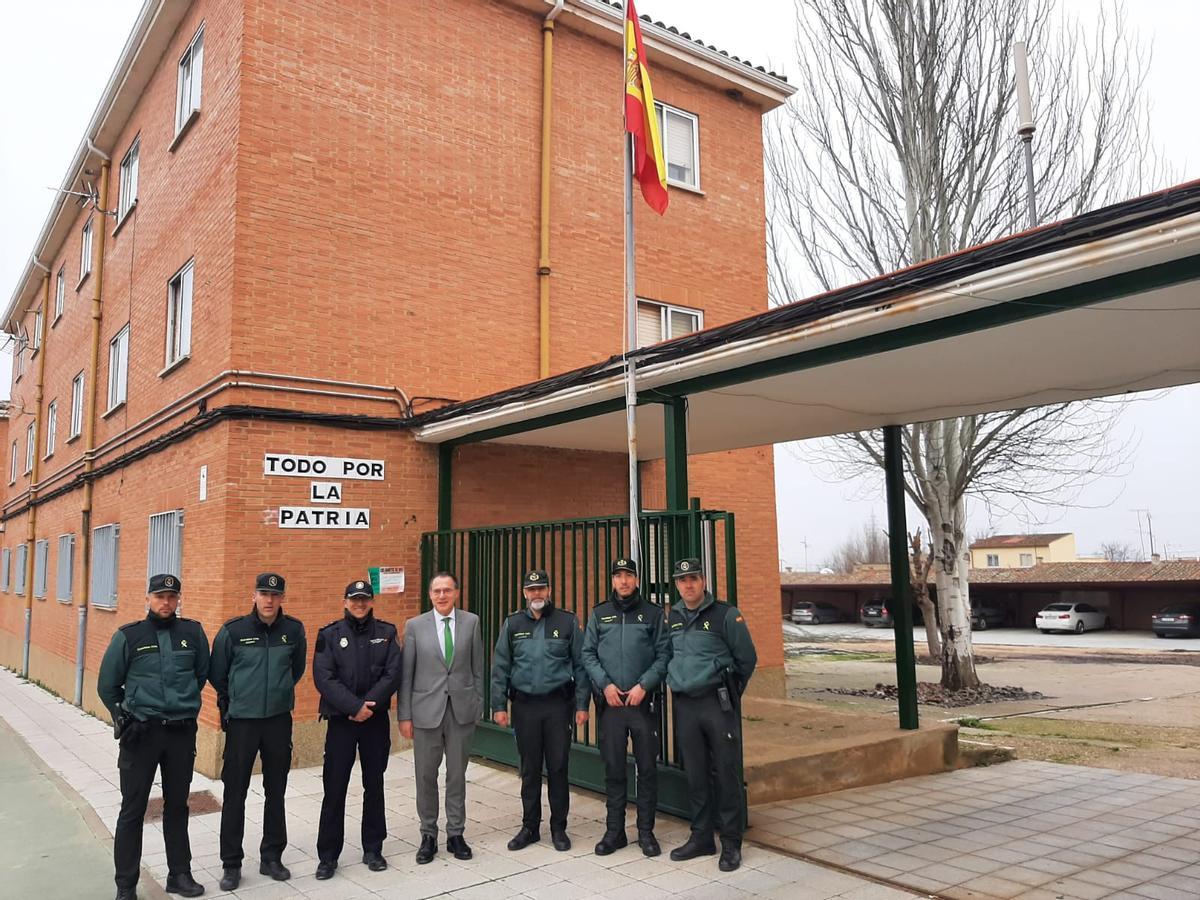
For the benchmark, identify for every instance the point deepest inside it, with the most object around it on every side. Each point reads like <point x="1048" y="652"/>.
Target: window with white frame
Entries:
<point x="51" y="427"/>
<point x="60" y="293"/>
<point x="65" y="573"/>
<point x="191" y="70"/>
<point x="12" y="464"/>
<point x="1027" y="559"/>
<point x="41" y="563"/>
<point x="5" y="569"/>
<point x="118" y="368"/>
<point x="85" y="251"/>
<point x="30" y="446"/>
<point x="19" y="358"/>
<point x="164" y="555"/>
<point x="993" y="560"/>
<point x="22" y="557"/>
<point x="680" y="132"/>
<point x="37" y="331"/>
<point x="128" y="191"/>
<point x="179" y="314"/>
<point x="662" y="322"/>
<point x="76" y="406"/>
<point x="106" y="545"/>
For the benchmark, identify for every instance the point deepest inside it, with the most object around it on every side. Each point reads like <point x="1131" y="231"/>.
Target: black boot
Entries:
<point x="611" y="842"/>
<point x="230" y="879"/>
<point x="428" y="849"/>
<point x="274" y="869"/>
<point x="695" y="846"/>
<point x="649" y="843"/>
<point x="129" y="893"/>
<point x="524" y="838"/>
<point x="459" y="847"/>
<point x="559" y="839"/>
<point x="325" y="870"/>
<point x="731" y="856"/>
<point x="374" y="860"/>
<point x="184" y="885"/>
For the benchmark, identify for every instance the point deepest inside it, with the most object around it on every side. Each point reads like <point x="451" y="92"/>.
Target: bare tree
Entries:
<point x="867" y="546"/>
<point x="918" y="573"/>
<point x="901" y="148"/>
<point x="1118" y="551"/>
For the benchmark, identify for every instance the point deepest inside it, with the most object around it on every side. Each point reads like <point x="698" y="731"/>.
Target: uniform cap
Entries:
<point x="624" y="564"/>
<point x="359" y="589"/>
<point x="688" y="566"/>
<point x="269" y="583"/>
<point x="535" y="578"/>
<point x="162" y="584"/>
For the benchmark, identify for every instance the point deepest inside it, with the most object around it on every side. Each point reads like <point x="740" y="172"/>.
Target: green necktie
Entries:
<point x="449" y="642"/>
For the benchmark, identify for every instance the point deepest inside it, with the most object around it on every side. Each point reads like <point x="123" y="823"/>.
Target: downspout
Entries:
<point x="544" y="235"/>
<point x="31" y="536"/>
<point x="89" y="438"/>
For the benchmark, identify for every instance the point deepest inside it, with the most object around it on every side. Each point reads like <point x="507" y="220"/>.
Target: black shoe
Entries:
<point x="275" y="869"/>
<point x="230" y="879"/>
<point x="459" y="847"/>
<point x="127" y="893"/>
<point x="731" y="857"/>
<point x="524" y="838"/>
<point x="325" y="870"/>
<point x="649" y="843"/>
<point x="184" y="885"/>
<point x="428" y="849"/>
<point x="694" y="847"/>
<point x="375" y="861"/>
<point x="611" y="842"/>
<point x="560" y="840"/>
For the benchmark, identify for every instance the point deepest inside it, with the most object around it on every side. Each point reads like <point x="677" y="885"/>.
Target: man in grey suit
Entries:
<point x="441" y="699"/>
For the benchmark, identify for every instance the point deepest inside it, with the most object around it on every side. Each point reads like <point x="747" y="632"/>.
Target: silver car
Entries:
<point x="1076" y="617"/>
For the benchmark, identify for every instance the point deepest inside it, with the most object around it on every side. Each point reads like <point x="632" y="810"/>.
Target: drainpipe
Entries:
<point x="31" y="535"/>
<point x="89" y="438"/>
<point x="544" y="236"/>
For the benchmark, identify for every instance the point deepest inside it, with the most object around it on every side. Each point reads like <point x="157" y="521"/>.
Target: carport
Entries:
<point x="1098" y="305"/>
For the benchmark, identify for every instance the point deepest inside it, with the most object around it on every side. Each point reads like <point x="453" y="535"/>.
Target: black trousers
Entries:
<point x="143" y="752"/>
<point x="543" y="730"/>
<point x="617" y="724"/>
<point x="372" y="742"/>
<point x="246" y="739"/>
<point x="710" y="741"/>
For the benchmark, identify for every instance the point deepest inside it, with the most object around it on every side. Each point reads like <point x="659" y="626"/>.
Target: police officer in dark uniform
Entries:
<point x="357" y="670"/>
<point x="256" y="661"/>
<point x="538" y="664"/>
<point x="711" y="660"/>
<point x="625" y="654"/>
<point x="150" y="680"/>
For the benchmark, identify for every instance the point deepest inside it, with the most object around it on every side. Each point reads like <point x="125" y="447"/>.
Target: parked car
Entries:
<point x="986" y="614"/>
<point x="876" y="612"/>
<point x="1077" y="617"/>
<point x="1177" y="619"/>
<point x="816" y="613"/>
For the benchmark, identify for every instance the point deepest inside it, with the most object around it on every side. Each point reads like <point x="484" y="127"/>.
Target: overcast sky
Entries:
<point x="56" y="55"/>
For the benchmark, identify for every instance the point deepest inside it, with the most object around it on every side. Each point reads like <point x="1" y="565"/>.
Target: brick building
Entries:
<point x="312" y="221"/>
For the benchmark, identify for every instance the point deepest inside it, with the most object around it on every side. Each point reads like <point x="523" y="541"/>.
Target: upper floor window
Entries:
<point x="85" y="251"/>
<point x="1026" y="559"/>
<point x="51" y="427"/>
<point x="681" y="145"/>
<point x="30" y="446"/>
<point x="179" y="314"/>
<point x="662" y="322"/>
<point x="37" y="331"/>
<point x="191" y="70"/>
<point x="127" y="195"/>
<point x="60" y="293"/>
<point x="76" y="406"/>
<point x="993" y="560"/>
<point x="12" y="465"/>
<point x="118" y="368"/>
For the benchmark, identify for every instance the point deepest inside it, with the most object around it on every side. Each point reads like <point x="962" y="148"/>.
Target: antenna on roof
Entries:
<point x="88" y="198"/>
<point x="1025" y="126"/>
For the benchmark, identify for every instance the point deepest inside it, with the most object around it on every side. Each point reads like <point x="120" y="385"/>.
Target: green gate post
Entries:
<point x="675" y="439"/>
<point x="906" y="662"/>
<point x="445" y="497"/>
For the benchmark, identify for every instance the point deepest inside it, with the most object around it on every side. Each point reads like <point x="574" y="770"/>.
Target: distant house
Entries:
<point x="1011" y="551"/>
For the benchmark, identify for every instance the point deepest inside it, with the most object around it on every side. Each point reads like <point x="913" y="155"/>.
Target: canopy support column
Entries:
<point x="902" y="599"/>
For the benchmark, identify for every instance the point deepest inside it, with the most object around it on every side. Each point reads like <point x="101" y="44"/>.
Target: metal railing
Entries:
<point x="576" y="554"/>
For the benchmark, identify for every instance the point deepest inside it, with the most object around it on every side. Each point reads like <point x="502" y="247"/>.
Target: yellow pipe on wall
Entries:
<point x="31" y="534"/>
<point x="544" y="228"/>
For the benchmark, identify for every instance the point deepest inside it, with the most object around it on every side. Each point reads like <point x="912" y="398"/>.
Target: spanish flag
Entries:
<point x="640" y="118"/>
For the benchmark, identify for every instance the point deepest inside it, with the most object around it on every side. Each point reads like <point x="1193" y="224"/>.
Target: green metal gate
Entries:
<point x="576" y="553"/>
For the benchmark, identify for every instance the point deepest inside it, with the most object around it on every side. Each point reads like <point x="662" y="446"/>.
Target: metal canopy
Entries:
<point x="1098" y="317"/>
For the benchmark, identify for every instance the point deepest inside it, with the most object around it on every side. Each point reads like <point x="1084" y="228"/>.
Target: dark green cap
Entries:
<point x="688" y="566"/>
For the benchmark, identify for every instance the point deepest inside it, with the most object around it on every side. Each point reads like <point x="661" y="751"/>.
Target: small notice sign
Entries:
<point x="324" y="517"/>
<point x="387" y="579"/>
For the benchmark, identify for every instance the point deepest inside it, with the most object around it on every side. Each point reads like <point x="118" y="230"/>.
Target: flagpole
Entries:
<point x="635" y="539"/>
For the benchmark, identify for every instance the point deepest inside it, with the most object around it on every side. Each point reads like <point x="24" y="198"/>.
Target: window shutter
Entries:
<point x="683" y="323"/>
<point x="66" y="567"/>
<point x="681" y="148"/>
<point x="649" y="324"/>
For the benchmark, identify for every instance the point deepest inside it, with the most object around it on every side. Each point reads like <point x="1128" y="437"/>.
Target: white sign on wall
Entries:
<point x="324" y="517"/>
<point x="325" y="492"/>
<point x="317" y="466"/>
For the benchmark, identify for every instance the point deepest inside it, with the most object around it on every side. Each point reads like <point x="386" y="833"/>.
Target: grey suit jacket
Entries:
<point x="427" y="685"/>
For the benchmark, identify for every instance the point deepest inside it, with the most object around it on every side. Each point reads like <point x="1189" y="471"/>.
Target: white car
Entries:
<point x="1076" y="617"/>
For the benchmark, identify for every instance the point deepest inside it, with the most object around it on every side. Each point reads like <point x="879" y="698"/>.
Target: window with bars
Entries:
<point x="22" y="557"/>
<point x="106" y="543"/>
<point x="165" y="553"/>
<point x="128" y="191"/>
<point x="5" y="569"/>
<point x="41" y="565"/>
<point x="662" y="322"/>
<point x="680" y="132"/>
<point x="66" y="567"/>
<point x="191" y="73"/>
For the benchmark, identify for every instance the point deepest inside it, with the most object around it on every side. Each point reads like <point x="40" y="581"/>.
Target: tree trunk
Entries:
<point x="932" y="636"/>
<point x="919" y="573"/>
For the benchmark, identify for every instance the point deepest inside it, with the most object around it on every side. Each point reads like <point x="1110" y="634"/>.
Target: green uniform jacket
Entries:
<point x="715" y="642"/>
<point x="255" y="666"/>
<point x="625" y="643"/>
<point x="538" y="656"/>
<point x="154" y="669"/>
